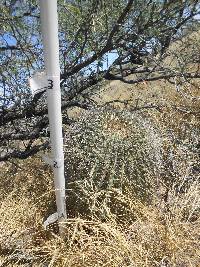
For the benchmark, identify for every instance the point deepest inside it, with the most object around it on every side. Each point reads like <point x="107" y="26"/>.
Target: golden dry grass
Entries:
<point x="158" y="236"/>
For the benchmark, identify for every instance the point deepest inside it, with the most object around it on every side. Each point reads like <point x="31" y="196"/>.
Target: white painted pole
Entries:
<point x="49" y="26"/>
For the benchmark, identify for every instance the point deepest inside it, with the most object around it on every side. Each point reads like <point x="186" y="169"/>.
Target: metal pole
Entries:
<point x="49" y="26"/>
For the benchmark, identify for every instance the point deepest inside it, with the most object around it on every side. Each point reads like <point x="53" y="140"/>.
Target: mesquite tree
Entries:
<point x="139" y="33"/>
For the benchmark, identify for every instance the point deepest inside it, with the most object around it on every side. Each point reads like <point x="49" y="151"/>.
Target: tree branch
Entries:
<point x="9" y="47"/>
<point x="108" y="46"/>
<point x="23" y="154"/>
<point x="155" y="78"/>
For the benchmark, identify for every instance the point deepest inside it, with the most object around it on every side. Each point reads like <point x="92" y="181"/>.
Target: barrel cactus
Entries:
<point x="113" y="148"/>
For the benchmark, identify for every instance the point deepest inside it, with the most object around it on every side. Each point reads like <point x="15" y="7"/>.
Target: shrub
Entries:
<point x="112" y="149"/>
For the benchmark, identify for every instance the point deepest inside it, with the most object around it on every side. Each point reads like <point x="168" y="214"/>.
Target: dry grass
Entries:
<point x="162" y="232"/>
<point x="159" y="234"/>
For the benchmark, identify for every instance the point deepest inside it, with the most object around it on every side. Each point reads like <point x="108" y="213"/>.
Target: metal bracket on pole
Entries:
<point x="38" y="82"/>
<point x="51" y="219"/>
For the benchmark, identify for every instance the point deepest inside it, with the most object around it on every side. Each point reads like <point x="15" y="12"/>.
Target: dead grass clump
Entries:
<point x="148" y="234"/>
<point x="30" y="179"/>
<point x="26" y="194"/>
<point x="155" y="238"/>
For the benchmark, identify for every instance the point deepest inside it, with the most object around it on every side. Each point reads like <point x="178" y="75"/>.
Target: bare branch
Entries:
<point x="9" y="47"/>
<point x="108" y="46"/>
<point x="23" y="154"/>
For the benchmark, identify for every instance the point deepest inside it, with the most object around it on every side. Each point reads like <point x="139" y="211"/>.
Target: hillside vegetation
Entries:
<point x="133" y="194"/>
<point x="126" y="207"/>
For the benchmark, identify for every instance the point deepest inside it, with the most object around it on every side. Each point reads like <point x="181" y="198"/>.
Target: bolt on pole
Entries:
<point x="49" y="27"/>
